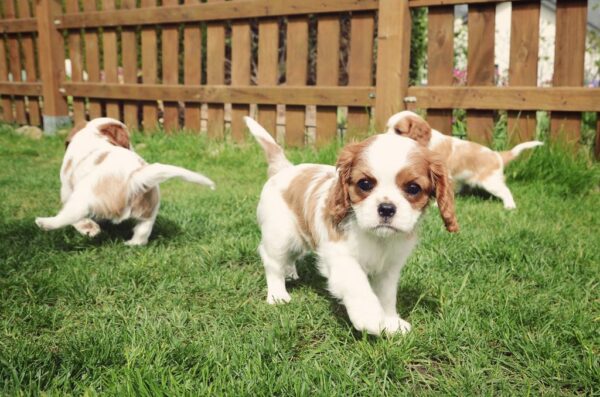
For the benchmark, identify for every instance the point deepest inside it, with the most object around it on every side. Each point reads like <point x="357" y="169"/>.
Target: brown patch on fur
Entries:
<point x="417" y="172"/>
<point x="444" y="191"/>
<point x="111" y="195"/>
<point x="414" y="127"/>
<point x="68" y="166"/>
<point x="469" y="156"/>
<point x="116" y="134"/>
<point x="100" y="158"/>
<point x="144" y="204"/>
<point x="78" y="127"/>
<point x="295" y="197"/>
<point x="506" y="156"/>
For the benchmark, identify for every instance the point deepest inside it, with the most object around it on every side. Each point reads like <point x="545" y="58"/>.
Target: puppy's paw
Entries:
<point x="395" y="325"/>
<point x="135" y="242"/>
<point x="278" y="297"/>
<point x="44" y="223"/>
<point x="291" y="273"/>
<point x="368" y="318"/>
<point x="87" y="228"/>
<point x="510" y="206"/>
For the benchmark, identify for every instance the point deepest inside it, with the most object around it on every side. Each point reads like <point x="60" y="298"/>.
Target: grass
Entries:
<point x="510" y="305"/>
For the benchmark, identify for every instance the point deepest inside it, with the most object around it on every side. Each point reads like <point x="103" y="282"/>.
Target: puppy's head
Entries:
<point x="386" y="181"/>
<point x="411" y="125"/>
<point x="106" y="128"/>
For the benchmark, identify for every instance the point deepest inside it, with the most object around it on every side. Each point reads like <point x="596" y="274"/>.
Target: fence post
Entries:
<point x="51" y="55"/>
<point x="393" y="59"/>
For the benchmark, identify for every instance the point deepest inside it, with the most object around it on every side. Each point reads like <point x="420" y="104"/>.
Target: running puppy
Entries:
<point x="103" y="178"/>
<point x="468" y="162"/>
<point x="358" y="217"/>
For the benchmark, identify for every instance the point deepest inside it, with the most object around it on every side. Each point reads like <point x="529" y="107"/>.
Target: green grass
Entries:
<point x="510" y="305"/>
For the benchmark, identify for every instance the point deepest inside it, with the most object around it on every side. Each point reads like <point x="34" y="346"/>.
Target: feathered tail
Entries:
<point x="510" y="155"/>
<point x="274" y="153"/>
<point x="153" y="174"/>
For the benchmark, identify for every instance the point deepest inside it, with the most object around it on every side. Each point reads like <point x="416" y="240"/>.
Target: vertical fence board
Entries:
<point x="7" y="111"/>
<point x="111" y="62"/>
<point x="296" y="73"/>
<point x="14" y="57"/>
<point x="440" y="61"/>
<point x="192" y="52"/>
<point x="360" y="68"/>
<point x="524" y="46"/>
<point x="75" y="55"/>
<point x="92" y="60"/>
<point x="130" y="67"/>
<point x="149" y="70"/>
<point x="393" y="58"/>
<point x="268" y="45"/>
<point x="569" y="55"/>
<point x="480" y="67"/>
<point x="215" y="74"/>
<point x="328" y="53"/>
<point x="240" y="73"/>
<point x="170" y="68"/>
<point x="27" y="41"/>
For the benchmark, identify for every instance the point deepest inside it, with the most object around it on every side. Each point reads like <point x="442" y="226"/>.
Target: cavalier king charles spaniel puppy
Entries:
<point x="103" y="178"/>
<point x="359" y="217"/>
<point x="468" y="162"/>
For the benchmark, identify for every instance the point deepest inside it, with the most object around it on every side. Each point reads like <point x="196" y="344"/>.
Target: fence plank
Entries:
<point x="92" y="60"/>
<point x="149" y="71"/>
<point x="571" y="23"/>
<point x="170" y="69"/>
<point x="75" y="55"/>
<point x="27" y="41"/>
<point x="524" y="46"/>
<point x="215" y="74"/>
<point x="440" y="60"/>
<point x="7" y="110"/>
<point x="192" y="52"/>
<point x="240" y="73"/>
<point x="296" y="74"/>
<point x="111" y="61"/>
<point x="480" y="67"/>
<point x="14" y="58"/>
<point x="328" y="52"/>
<point x="393" y="54"/>
<point x="268" y="45"/>
<point x="360" y="68"/>
<point x="130" y="68"/>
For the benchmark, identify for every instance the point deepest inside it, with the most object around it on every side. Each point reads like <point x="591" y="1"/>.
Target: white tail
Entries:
<point x="153" y="174"/>
<point x="510" y="155"/>
<point x="274" y="153"/>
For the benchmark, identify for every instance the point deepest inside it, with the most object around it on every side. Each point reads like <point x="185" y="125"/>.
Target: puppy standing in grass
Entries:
<point x="468" y="162"/>
<point x="358" y="217"/>
<point x="103" y="178"/>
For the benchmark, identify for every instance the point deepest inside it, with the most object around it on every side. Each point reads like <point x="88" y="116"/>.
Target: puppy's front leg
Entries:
<point x="385" y="285"/>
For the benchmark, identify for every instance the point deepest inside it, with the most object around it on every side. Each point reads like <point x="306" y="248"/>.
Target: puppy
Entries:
<point x="358" y="217"/>
<point x="468" y="162"/>
<point x="103" y="178"/>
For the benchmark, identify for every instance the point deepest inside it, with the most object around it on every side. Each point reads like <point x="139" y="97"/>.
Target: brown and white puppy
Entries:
<point x="103" y="178"/>
<point x="358" y="217"/>
<point x="468" y="162"/>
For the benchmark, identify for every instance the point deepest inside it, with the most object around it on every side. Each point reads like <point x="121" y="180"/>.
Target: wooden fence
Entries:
<point x="212" y="60"/>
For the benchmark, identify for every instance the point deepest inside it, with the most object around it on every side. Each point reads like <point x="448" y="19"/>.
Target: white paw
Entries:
<point x="292" y="274"/>
<point x="278" y="297"/>
<point x="372" y="321"/>
<point x="510" y="206"/>
<point x="134" y="242"/>
<point x="395" y="325"/>
<point x="43" y="223"/>
<point x="88" y="228"/>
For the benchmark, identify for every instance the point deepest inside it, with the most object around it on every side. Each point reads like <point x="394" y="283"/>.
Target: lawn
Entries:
<point x="510" y="305"/>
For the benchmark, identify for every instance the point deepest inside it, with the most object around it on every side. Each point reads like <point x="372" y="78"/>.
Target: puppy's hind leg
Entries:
<point x="496" y="185"/>
<point x="74" y="210"/>
<point x="87" y="227"/>
<point x="275" y="271"/>
<point x="141" y="232"/>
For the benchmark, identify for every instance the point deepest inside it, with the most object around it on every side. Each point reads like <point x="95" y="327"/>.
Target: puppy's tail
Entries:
<point x="274" y="153"/>
<point x="510" y="155"/>
<point x="151" y="175"/>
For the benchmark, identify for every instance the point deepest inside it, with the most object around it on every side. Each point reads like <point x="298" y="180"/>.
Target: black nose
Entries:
<point x="386" y="210"/>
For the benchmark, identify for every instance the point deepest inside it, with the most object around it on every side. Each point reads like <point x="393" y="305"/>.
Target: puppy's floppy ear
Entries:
<point x="413" y="126"/>
<point x="117" y="134"/>
<point x="78" y="127"/>
<point x="339" y="204"/>
<point x="444" y="192"/>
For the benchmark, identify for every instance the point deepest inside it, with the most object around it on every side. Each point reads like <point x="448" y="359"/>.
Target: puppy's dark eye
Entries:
<point x="365" y="185"/>
<point x="413" y="189"/>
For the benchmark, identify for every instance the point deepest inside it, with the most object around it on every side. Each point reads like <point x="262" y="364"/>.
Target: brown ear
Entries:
<point x="117" y="134"/>
<point x="414" y="127"/>
<point x="444" y="193"/>
<point x="339" y="199"/>
<point x="78" y="127"/>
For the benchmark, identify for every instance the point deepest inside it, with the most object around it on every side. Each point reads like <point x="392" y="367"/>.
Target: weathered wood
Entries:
<point x="524" y="46"/>
<point x="21" y="25"/>
<point x="480" y="67"/>
<point x="360" y="68"/>
<point x="440" y="61"/>
<point x="328" y="58"/>
<point x="170" y="69"/>
<point x="130" y="68"/>
<point x="240" y="74"/>
<point x="111" y="61"/>
<point x="296" y="74"/>
<point x="14" y="58"/>
<point x="149" y="70"/>
<point x="215" y="74"/>
<point x="571" y="23"/>
<point x="76" y="57"/>
<point x="7" y="111"/>
<point x="25" y="88"/>
<point x="289" y="95"/>
<point x="92" y="60"/>
<point x="192" y="69"/>
<point x="393" y="51"/>
<point x="27" y="42"/>
<point x="568" y="99"/>
<point x="268" y="45"/>
<point x="213" y="11"/>
<point x="424" y="3"/>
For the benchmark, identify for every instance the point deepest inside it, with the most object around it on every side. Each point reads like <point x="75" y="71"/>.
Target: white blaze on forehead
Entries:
<point x="388" y="154"/>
